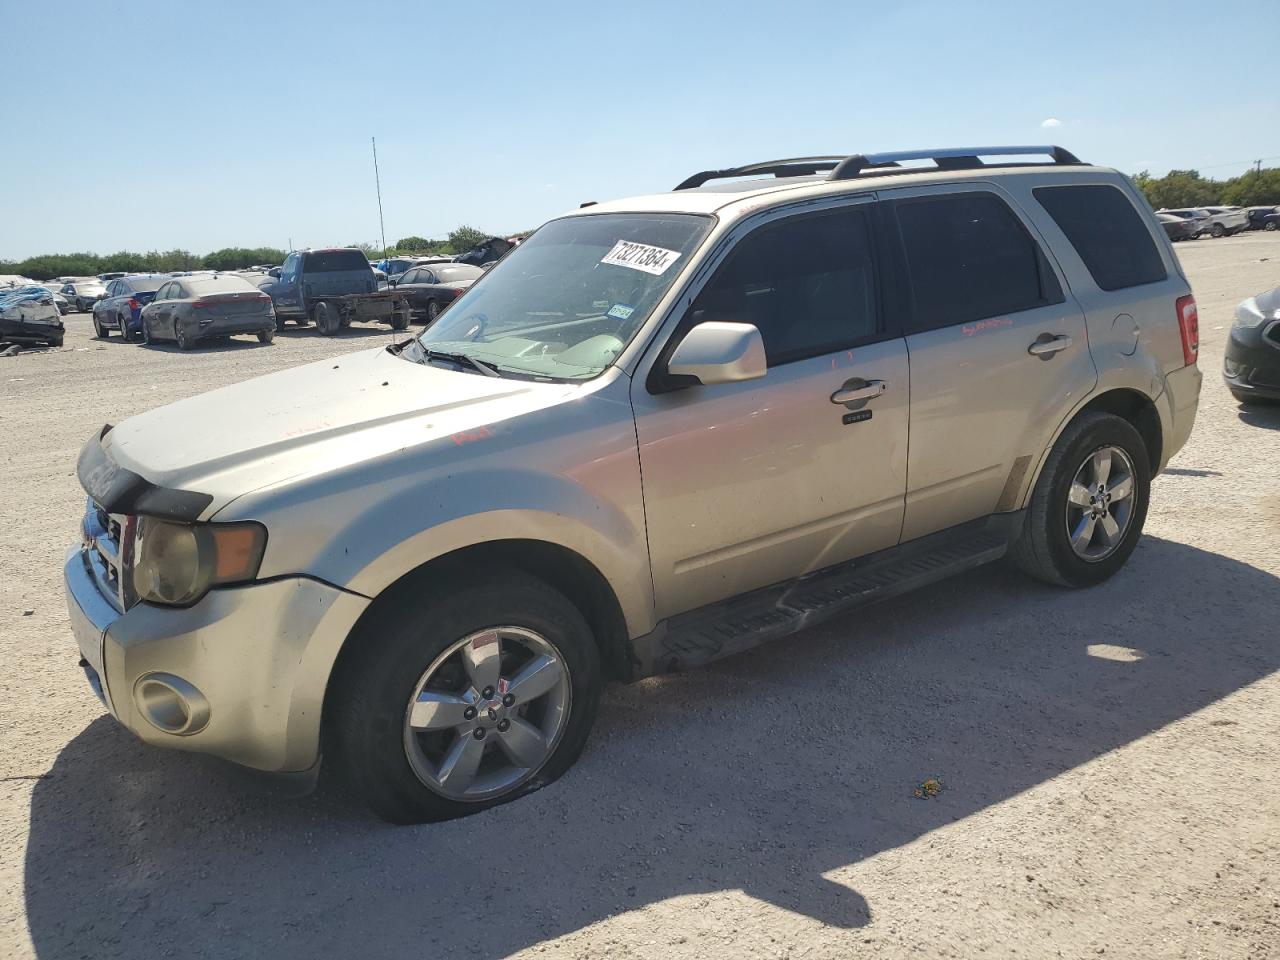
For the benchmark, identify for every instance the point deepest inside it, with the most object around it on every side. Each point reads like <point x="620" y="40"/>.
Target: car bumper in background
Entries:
<point x="1251" y="362"/>
<point x="240" y="675"/>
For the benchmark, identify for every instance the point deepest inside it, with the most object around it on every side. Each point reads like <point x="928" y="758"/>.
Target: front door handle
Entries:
<point x="1047" y="346"/>
<point x="872" y="390"/>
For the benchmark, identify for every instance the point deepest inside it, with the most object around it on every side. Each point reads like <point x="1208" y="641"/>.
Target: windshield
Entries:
<point x="566" y="302"/>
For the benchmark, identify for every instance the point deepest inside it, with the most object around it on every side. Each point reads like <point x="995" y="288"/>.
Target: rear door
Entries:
<point x="999" y="353"/>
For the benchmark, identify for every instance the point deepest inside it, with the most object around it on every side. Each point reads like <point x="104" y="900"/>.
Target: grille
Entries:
<point x="107" y="544"/>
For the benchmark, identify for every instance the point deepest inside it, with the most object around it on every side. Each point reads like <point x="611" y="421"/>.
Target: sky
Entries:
<point x="147" y="125"/>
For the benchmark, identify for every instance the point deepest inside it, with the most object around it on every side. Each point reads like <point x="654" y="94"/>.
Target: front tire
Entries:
<point x="427" y="722"/>
<point x="1089" y="503"/>
<point x="99" y="331"/>
<point x="1269" y="225"/>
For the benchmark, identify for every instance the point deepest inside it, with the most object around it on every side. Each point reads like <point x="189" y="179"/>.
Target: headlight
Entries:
<point x="177" y="563"/>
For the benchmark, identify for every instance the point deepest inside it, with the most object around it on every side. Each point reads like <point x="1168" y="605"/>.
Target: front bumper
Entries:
<point x="1251" y="362"/>
<point x="258" y="656"/>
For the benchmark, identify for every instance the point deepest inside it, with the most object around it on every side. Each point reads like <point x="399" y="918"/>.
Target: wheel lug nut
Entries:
<point x="504" y="726"/>
<point x="493" y="714"/>
<point x="479" y="734"/>
<point x="508" y="699"/>
<point x="469" y="713"/>
<point x="487" y="693"/>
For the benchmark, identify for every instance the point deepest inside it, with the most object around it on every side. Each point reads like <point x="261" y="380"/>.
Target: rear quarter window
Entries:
<point x="1108" y="233"/>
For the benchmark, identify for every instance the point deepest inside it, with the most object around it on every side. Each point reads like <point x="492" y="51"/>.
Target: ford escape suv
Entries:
<point x="660" y="431"/>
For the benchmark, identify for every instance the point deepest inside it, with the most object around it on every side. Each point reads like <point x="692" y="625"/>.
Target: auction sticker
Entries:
<point x="620" y="311"/>
<point x="641" y="256"/>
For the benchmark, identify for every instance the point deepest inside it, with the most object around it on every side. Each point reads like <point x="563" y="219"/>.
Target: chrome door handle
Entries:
<point x="1045" y="348"/>
<point x="872" y="390"/>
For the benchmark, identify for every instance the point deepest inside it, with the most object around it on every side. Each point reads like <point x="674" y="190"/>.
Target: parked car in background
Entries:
<point x="394" y="267"/>
<point x="1200" y="220"/>
<point x="1251" y="363"/>
<point x="1264" y="218"/>
<point x="432" y="288"/>
<point x="28" y="315"/>
<point x="190" y="309"/>
<point x="83" y="294"/>
<point x="121" y="308"/>
<point x="116" y="275"/>
<point x="1227" y="221"/>
<point x="1176" y="228"/>
<point x="63" y="305"/>
<point x="656" y="434"/>
<point x="490" y="249"/>
<point x="332" y="288"/>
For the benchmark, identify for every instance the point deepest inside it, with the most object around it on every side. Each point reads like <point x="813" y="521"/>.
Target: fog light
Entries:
<point x="1230" y="368"/>
<point x="171" y="704"/>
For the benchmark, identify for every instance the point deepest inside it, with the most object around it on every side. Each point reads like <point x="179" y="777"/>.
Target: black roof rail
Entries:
<point x="952" y="158"/>
<point x="849" y="167"/>
<point x="792" y="167"/>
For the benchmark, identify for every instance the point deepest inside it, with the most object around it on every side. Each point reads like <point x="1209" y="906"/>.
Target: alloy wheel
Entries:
<point x="487" y="714"/>
<point x="1100" y="503"/>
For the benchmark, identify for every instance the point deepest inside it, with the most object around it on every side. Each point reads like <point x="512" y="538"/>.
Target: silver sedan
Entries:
<point x="194" y="308"/>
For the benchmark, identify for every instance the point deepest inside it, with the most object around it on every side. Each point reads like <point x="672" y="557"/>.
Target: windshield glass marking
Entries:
<point x="641" y="256"/>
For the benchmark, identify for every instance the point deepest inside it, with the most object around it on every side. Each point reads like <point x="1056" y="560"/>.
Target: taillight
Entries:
<point x="197" y="304"/>
<point x="134" y="304"/>
<point x="1189" y="327"/>
<point x="457" y="293"/>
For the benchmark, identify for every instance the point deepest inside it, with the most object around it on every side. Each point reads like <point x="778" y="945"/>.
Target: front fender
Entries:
<point x="568" y="475"/>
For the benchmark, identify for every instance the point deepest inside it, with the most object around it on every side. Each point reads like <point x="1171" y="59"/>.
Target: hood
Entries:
<point x="314" y="419"/>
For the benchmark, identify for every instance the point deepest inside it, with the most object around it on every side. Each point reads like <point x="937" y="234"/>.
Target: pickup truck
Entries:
<point x="332" y="288"/>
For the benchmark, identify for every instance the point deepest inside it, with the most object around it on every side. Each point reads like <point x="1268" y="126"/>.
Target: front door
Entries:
<point x="999" y="352"/>
<point x="749" y="484"/>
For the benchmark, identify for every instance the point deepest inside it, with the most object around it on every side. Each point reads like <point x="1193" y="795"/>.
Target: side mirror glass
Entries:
<point x="274" y="272"/>
<point x="717" y="352"/>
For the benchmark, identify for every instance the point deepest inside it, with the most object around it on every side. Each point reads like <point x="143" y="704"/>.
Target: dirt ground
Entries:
<point x="1108" y="758"/>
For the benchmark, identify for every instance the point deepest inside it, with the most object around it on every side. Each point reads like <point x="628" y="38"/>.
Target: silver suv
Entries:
<point x="660" y="431"/>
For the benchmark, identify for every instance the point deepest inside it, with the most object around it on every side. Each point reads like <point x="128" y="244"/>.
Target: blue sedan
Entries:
<point x="121" y="308"/>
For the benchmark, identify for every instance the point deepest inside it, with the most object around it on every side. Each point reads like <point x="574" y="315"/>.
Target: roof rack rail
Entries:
<point x="793" y="167"/>
<point x="850" y="167"/>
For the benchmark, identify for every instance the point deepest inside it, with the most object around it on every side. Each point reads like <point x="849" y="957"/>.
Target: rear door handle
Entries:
<point x="1048" y="347"/>
<point x="872" y="390"/>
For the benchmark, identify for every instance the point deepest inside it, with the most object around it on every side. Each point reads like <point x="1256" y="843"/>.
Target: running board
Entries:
<point x="731" y="626"/>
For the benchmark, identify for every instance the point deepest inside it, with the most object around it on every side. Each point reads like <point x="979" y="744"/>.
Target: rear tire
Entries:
<point x="367" y="713"/>
<point x="99" y="331"/>
<point x="1269" y="225"/>
<point x="279" y="323"/>
<point x="433" y="311"/>
<point x="180" y="336"/>
<point x="326" y="318"/>
<point x="1044" y="549"/>
<point x="266" y="336"/>
<point x="1218" y="231"/>
<point x="125" y="333"/>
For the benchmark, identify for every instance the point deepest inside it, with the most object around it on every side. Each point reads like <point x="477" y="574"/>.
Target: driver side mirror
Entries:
<point x="717" y="352"/>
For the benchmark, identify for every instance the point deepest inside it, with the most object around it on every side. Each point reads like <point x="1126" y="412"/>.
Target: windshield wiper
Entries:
<point x="462" y="360"/>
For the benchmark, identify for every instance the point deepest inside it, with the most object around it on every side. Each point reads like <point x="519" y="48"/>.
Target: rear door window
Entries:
<point x="808" y="284"/>
<point x="968" y="257"/>
<point x="1107" y="232"/>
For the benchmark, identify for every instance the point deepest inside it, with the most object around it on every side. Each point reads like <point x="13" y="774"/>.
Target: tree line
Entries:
<point x="1187" y="188"/>
<point x="49" y="266"/>
<point x="1177" y="188"/>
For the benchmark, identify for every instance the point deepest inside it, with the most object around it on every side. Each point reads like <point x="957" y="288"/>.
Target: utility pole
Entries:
<point x="1257" y="166"/>
<point x="378" y="183"/>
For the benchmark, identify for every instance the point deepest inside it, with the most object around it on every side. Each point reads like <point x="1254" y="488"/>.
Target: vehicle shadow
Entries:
<point x="1266" y="415"/>
<point x="762" y="773"/>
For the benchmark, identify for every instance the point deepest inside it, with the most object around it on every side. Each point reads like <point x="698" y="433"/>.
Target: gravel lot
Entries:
<point x="1108" y="757"/>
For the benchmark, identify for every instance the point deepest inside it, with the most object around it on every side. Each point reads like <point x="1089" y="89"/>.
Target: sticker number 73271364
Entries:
<point x="641" y="256"/>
